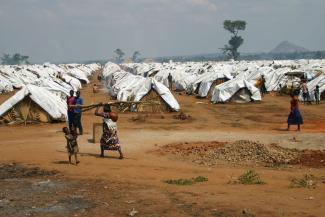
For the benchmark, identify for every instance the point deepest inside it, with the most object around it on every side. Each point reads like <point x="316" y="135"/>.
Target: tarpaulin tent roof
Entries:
<point x="224" y="92"/>
<point x="50" y="103"/>
<point x="53" y="77"/>
<point x="320" y="81"/>
<point x="126" y="86"/>
<point x="5" y="85"/>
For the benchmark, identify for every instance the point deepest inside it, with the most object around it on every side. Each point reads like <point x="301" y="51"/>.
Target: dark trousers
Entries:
<point x="263" y="89"/>
<point x="77" y="122"/>
<point x="71" y="120"/>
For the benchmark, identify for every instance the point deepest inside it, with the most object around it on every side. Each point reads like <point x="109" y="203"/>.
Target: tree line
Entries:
<point x="15" y="59"/>
<point x="119" y="56"/>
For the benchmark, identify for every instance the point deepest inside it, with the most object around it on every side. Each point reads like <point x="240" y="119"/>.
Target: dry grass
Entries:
<point x="190" y="181"/>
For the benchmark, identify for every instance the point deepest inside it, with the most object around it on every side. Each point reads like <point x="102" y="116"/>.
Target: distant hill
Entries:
<point x="287" y="47"/>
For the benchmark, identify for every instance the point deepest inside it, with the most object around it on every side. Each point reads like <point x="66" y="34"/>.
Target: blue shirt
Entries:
<point x="79" y="101"/>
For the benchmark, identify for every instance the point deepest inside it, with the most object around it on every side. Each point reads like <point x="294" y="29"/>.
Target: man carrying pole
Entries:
<point x="77" y="112"/>
<point x="70" y="103"/>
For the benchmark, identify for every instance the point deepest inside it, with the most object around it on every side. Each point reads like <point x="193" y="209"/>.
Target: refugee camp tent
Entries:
<point x="212" y="78"/>
<point x="74" y="71"/>
<point x="33" y="104"/>
<point x="320" y="81"/>
<point x="53" y="86"/>
<point x="238" y="90"/>
<point x="57" y="79"/>
<point x="5" y="85"/>
<point x="125" y="86"/>
<point x="157" y="93"/>
<point x="8" y="72"/>
<point x="73" y="82"/>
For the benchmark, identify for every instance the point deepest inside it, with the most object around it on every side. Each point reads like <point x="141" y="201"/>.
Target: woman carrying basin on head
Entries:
<point x="109" y="139"/>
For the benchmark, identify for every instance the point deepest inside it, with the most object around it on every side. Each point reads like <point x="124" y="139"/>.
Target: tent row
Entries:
<point x="226" y="81"/>
<point x="125" y="86"/>
<point x="42" y="91"/>
<point x="56" y="77"/>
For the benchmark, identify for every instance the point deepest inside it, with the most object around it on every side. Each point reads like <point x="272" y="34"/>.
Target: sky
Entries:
<point x="75" y="30"/>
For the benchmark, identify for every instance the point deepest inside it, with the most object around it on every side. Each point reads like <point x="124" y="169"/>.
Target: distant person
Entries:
<point x="95" y="88"/>
<point x="305" y="92"/>
<point x="263" y="87"/>
<point x="170" y="81"/>
<point x="316" y="94"/>
<point x="294" y="117"/>
<point x="72" y="144"/>
<point x="78" y="112"/>
<point x="71" y="102"/>
<point x="109" y="139"/>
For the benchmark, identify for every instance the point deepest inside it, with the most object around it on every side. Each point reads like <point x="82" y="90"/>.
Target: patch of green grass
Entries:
<point x="250" y="177"/>
<point x="307" y="181"/>
<point x="186" y="181"/>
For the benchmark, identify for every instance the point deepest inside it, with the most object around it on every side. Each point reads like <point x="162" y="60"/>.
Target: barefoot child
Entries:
<point x="72" y="145"/>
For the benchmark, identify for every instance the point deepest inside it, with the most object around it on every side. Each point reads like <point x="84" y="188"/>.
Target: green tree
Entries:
<point x="16" y="59"/>
<point x="135" y="56"/>
<point x="119" y="55"/>
<point x="231" y="49"/>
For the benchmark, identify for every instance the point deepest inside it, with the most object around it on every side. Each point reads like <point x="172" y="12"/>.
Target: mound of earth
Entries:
<point x="243" y="152"/>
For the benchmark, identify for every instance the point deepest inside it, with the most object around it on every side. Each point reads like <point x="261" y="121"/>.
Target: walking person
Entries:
<point x="294" y="117"/>
<point x="316" y="93"/>
<point x="70" y="104"/>
<point x="170" y="82"/>
<point x="78" y="112"/>
<point x="305" y="92"/>
<point x="263" y="87"/>
<point x="72" y="144"/>
<point x="109" y="139"/>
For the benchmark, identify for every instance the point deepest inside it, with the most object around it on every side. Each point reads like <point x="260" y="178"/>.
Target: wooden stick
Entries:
<point x="116" y="102"/>
<point x="128" y="105"/>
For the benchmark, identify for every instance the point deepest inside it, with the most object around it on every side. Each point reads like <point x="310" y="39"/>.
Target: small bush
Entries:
<point x="187" y="181"/>
<point x="200" y="179"/>
<point x="307" y="181"/>
<point x="250" y="178"/>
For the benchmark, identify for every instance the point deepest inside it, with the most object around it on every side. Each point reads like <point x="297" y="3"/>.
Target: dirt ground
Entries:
<point x="135" y="185"/>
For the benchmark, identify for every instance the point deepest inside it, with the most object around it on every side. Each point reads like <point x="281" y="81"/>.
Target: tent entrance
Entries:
<point x="26" y="111"/>
<point x="241" y="96"/>
<point x="214" y="84"/>
<point x="159" y="104"/>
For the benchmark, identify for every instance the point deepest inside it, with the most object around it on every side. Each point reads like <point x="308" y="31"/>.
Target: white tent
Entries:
<point x="207" y="80"/>
<point x="320" y="81"/>
<point x="224" y="92"/>
<point x="54" y="106"/>
<point x="5" y="85"/>
<point x="126" y="86"/>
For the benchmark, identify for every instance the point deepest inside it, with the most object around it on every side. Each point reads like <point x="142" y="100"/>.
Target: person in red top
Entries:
<point x="294" y="117"/>
<point x="71" y="100"/>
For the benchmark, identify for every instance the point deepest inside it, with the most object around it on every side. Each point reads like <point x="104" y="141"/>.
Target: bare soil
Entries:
<point x="112" y="187"/>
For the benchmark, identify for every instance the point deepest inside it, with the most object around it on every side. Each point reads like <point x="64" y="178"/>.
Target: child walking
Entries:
<point x="72" y="144"/>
